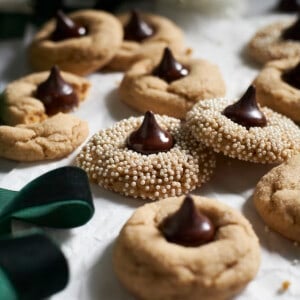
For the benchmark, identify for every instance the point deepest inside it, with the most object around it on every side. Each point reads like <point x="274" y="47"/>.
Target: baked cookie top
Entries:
<point x="53" y="138"/>
<point x="79" y="54"/>
<point x="144" y="88"/>
<point x="276" y="198"/>
<point x="274" y="142"/>
<point x="270" y="42"/>
<point x="178" y="169"/>
<point x="19" y="103"/>
<point x="277" y="87"/>
<point x="163" y="33"/>
<point x="152" y="267"/>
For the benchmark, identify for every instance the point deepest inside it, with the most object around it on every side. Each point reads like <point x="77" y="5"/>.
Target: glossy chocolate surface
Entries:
<point x="56" y="94"/>
<point x="246" y="111"/>
<point x="66" y="28"/>
<point x="169" y="69"/>
<point x="289" y="5"/>
<point x="292" y="77"/>
<point x="292" y="32"/>
<point x="188" y="226"/>
<point x="137" y="29"/>
<point x="150" y="138"/>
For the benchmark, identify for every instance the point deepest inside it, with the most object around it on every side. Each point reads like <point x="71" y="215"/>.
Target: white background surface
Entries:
<point x="89" y="248"/>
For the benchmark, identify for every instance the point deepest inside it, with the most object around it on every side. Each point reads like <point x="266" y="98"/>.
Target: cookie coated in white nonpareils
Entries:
<point x="110" y="164"/>
<point x="274" y="143"/>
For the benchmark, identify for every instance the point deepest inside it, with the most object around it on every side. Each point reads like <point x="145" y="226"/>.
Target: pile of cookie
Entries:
<point x="165" y="250"/>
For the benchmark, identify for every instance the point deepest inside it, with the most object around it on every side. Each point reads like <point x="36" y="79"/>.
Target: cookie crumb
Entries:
<point x="284" y="286"/>
<point x="189" y="51"/>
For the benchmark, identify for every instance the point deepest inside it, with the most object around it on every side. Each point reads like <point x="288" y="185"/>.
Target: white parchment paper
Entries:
<point x="89" y="248"/>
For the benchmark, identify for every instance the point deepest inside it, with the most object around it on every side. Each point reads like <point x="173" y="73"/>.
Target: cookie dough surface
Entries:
<point x="54" y="138"/>
<point x="143" y="91"/>
<point x="78" y="55"/>
<point x="18" y="104"/>
<point x="167" y="34"/>
<point x="274" y="92"/>
<point x="277" y="198"/>
<point x="267" y="44"/>
<point x="152" y="268"/>
<point x="110" y="164"/>
<point x="274" y="143"/>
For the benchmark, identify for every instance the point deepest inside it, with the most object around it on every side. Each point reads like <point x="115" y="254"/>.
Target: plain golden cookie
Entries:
<point x="152" y="268"/>
<point x="267" y="44"/>
<point x="78" y="55"/>
<point x="110" y="164"/>
<point x="143" y="91"/>
<point x="53" y="138"/>
<point x="274" y="143"/>
<point x="277" y="198"/>
<point x="167" y="34"/>
<point x="18" y="104"/>
<point x="274" y="92"/>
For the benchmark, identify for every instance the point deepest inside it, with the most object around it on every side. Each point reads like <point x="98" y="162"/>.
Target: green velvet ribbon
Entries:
<point x="59" y="199"/>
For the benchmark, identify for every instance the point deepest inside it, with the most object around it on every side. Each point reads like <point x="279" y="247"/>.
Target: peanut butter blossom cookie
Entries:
<point x="79" y="43"/>
<point x="276" y="198"/>
<point x="276" y="41"/>
<point x="37" y="104"/>
<point x="146" y="36"/>
<point x="170" y="87"/>
<point x="278" y="87"/>
<point x="33" y="98"/>
<point x="186" y="248"/>
<point x="152" y="157"/>
<point x="242" y="130"/>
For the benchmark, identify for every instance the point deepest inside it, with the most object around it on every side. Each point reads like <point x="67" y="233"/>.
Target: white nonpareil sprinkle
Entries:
<point x="274" y="143"/>
<point x="110" y="164"/>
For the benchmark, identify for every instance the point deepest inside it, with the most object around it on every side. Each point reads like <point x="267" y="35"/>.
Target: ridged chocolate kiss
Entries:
<point x="150" y="137"/>
<point x="292" y="77"/>
<point x="66" y="28"/>
<point x="289" y="5"/>
<point x="246" y="112"/>
<point x="169" y="69"/>
<point x="137" y="29"/>
<point x="292" y="32"/>
<point x="187" y="226"/>
<point x="56" y="94"/>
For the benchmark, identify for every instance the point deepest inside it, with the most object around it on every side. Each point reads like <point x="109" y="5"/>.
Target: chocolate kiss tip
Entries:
<point x="292" y="77"/>
<point x="66" y="28"/>
<point x="246" y="111"/>
<point x="292" y="32"/>
<point x="187" y="226"/>
<point x="136" y="28"/>
<point x="150" y="138"/>
<point x="56" y="94"/>
<point x="169" y="69"/>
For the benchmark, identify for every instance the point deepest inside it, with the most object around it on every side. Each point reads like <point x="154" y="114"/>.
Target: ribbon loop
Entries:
<point x="60" y="198"/>
<point x="31" y="267"/>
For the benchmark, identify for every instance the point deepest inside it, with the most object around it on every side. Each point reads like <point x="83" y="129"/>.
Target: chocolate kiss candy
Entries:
<point x="137" y="29"/>
<point x="292" y="77"/>
<point x="187" y="226"/>
<point x="289" y="5"/>
<point x="169" y="69"/>
<point x="246" y="112"/>
<point x="66" y="28"/>
<point x="56" y="94"/>
<point x="293" y="32"/>
<point x="150" y="137"/>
